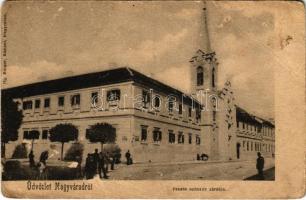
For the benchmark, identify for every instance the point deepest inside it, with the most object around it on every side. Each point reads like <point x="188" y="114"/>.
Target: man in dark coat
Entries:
<point x="90" y="168"/>
<point x="43" y="157"/>
<point x="31" y="159"/>
<point x="96" y="159"/>
<point x="260" y="162"/>
<point x="128" y="157"/>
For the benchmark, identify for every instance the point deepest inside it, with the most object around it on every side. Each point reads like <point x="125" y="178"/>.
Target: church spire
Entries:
<point x="204" y="32"/>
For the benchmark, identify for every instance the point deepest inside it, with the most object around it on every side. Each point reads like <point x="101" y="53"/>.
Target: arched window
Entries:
<point x="200" y="76"/>
<point x="213" y="77"/>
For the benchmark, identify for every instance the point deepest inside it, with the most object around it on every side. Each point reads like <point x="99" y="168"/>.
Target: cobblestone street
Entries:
<point x="189" y="171"/>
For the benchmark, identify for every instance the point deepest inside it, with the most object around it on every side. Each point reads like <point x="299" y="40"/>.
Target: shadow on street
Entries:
<point x="269" y="175"/>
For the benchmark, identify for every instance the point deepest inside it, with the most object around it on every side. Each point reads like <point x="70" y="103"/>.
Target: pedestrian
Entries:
<point x="107" y="160"/>
<point x="89" y="167"/>
<point x="31" y="159"/>
<point x="260" y="162"/>
<point x="128" y="157"/>
<point x="43" y="157"/>
<point x="101" y="166"/>
<point x="113" y="160"/>
<point x="198" y="157"/>
<point x="96" y="159"/>
<point x="86" y="168"/>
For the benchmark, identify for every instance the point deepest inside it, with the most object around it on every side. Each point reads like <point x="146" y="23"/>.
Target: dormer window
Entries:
<point x="200" y="76"/>
<point x="113" y="95"/>
<point x="61" y="101"/>
<point x="75" y="100"/>
<point x="27" y="105"/>
<point x="94" y="98"/>
<point x="145" y="98"/>
<point x="47" y="103"/>
<point x="37" y="103"/>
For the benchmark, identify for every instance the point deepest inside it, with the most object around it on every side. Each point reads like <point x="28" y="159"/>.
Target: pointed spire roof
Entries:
<point x="204" y="32"/>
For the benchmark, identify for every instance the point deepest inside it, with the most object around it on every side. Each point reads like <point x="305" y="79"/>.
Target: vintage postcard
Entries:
<point x="153" y="99"/>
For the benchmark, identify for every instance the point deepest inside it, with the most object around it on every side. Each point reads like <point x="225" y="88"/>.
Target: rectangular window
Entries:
<point x="180" y="108"/>
<point x="181" y="138"/>
<point x="61" y="101"/>
<point x="113" y="95"/>
<point x="198" y="114"/>
<point x="25" y="134"/>
<point x="214" y="115"/>
<point x="157" y="101"/>
<point x="37" y="103"/>
<point x="75" y="100"/>
<point x="170" y="106"/>
<point x="237" y="124"/>
<point x="190" y="138"/>
<point x="157" y="135"/>
<point x="47" y="103"/>
<point x="27" y="105"/>
<point x="45" y="134"/>
<point x="189" y="111"/>
<point x="94" y="98"/>
<point x="198" y="140"/>
<point x="144" y="133"/>
<point x="145" y="99"/>
<point x="171" y="137"/>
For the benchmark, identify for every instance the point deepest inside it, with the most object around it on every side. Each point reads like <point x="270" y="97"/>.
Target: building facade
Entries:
<point x="156" y="122"/>
<point x="147" y="121"/>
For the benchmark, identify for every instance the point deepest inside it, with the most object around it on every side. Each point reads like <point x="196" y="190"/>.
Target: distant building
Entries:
<point x="154" y="121"/>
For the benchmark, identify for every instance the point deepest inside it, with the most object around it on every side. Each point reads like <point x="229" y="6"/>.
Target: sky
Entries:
<point x="48" y="40"/>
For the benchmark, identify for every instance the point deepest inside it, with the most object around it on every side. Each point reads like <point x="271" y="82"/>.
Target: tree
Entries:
<point x="11" y="119"/>
<point x="63" y="133"/>
<point x="32" y="135"/>
<point x="101" y="132"/>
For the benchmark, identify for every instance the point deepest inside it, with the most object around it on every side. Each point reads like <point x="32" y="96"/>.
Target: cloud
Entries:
<point x="178" y="77"/>
<point x="35" y="72"/>
<point x="148" y="50"/>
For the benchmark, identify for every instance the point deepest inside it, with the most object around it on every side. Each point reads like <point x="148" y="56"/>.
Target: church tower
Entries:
<point x="204" y="86"/>
<point x="204" y="63"/>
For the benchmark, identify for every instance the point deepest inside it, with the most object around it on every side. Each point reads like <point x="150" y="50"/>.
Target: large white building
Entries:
<point x="154" y="121"/>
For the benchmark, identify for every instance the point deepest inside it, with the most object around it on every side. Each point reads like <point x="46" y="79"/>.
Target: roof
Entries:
<point x="245" y="116"/>
<point x="113" y="76"/>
